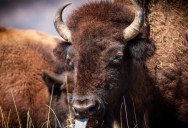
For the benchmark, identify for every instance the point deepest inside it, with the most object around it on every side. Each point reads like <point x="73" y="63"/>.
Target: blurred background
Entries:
<point x="34" y="14"/>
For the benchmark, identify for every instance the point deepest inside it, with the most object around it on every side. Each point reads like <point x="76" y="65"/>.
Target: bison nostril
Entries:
<point x="86" y="108"/>
<point x="92" y="109"/>
<point x="75" y="111"/>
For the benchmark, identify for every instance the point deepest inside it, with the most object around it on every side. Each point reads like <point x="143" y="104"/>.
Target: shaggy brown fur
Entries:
<point x="169" y="67"/>
<point x="24" y="54"/>
<point x="168" y="21"/>
<point x="96" y="48"/>
<point x="159" y="94"/>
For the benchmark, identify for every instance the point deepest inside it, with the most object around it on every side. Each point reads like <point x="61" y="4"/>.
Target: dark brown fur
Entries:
<point x="92" y="39"/>
<point x="96" y="30"/>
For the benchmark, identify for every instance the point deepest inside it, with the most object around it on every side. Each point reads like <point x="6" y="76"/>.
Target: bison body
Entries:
<point x="169" y="65"/>
<point x="24" y="99"/>
<point x="114" y="84"/>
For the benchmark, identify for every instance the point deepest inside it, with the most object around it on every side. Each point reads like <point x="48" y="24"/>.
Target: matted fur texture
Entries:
<point x="97" y="37"/>
<point x="158" y="86"/>
<point x="168" y="22"/>
<point x="24" y="54"/>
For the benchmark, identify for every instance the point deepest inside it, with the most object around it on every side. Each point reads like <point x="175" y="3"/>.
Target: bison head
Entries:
<point x="110" y="47"/>
<point x="60" y="87"/>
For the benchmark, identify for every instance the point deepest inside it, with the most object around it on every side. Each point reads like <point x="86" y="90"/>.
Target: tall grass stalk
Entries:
<point x="8" y="118"/>
<point x="48" y="120"/>
<point x="3" y="119"/>
<point x="55" y="116"/>
<point x="126" y="112"/>
<point x="16" y="110"/>
<point x="70" y="123"/>
<point x="29" y="121"/>
<point x="145" y="122"/>
<point x="136" y="126"/>
<point x="121" y="122"/>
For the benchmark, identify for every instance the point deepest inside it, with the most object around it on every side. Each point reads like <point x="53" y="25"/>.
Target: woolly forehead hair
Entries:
<point x="101" y="11"/>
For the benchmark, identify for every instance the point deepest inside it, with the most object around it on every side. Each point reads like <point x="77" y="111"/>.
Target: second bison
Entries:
<point x="24" y="100"/>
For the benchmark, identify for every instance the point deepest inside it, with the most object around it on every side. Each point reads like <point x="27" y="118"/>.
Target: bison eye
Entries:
<point x="70" y="64"/>
<point x="116" y="61"/>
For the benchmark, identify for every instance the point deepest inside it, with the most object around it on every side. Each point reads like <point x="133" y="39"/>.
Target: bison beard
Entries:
<point x="112" y="82"/>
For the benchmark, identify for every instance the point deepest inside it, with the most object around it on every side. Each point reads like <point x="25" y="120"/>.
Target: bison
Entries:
<point x="114" y="88"/>
<point x="24" y="100"/>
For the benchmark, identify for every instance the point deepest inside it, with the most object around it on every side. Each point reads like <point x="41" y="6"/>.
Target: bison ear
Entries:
<point x="53" y="82"/>
<point x="61" y="50"/>
<point x="140" y="48"/>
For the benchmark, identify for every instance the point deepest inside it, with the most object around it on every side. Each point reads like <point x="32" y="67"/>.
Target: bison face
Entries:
<point x="109" y="46"/>
<point x="104" y="73"/>
<point x="99" y="76"/>
<point x="60" y="89"/>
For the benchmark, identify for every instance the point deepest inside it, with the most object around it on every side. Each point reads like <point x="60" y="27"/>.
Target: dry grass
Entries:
<point x="5" y="121"/>
<point x="70" y="119"/>
<point x="49" y="108"/>
<point x="16" y="110"/>
<point x="29" y="121"/>
<point x="55" y="116"/>
<point x="29" y="124"/>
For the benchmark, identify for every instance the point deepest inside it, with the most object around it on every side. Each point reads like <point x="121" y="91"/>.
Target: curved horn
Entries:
<point x="134" y="28"/>
<point x="60" y="27"/>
